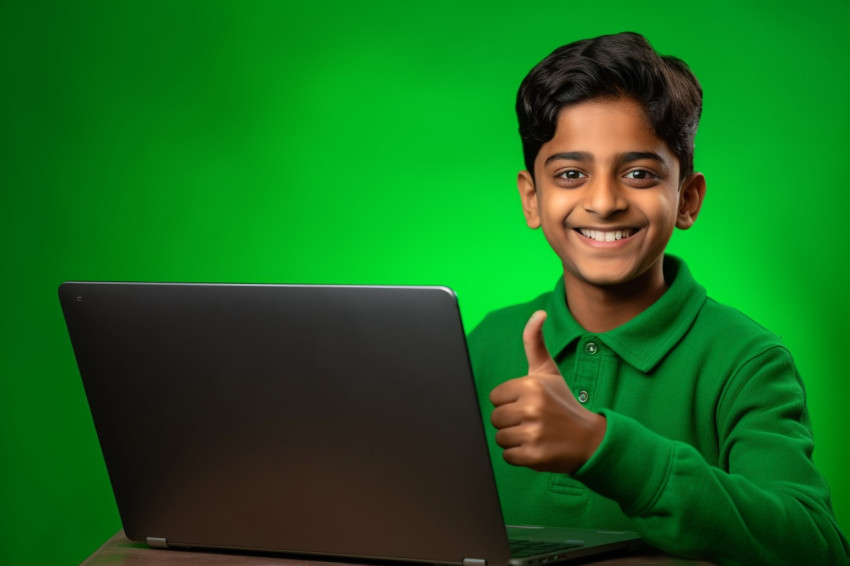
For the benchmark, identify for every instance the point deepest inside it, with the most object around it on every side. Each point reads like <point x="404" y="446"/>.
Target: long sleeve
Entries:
<point x="763" y="503"/>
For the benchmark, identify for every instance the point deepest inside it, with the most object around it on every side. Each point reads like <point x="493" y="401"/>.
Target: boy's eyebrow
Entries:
<point x="638" y="155"/>
<point x="570" y="155"/>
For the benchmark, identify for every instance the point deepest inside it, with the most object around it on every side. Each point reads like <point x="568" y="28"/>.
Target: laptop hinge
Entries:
<point x="474" y="562"/>
<point x="157" y="542"/>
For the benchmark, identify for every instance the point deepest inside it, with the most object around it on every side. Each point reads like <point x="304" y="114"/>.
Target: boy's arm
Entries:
<point x="770" y="507"/>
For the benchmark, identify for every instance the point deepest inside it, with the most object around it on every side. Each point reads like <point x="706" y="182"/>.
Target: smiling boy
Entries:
<point x="634" y="401"/>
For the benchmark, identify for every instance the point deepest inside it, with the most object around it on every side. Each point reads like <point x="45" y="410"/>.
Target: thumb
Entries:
<point x="539" y="360"/>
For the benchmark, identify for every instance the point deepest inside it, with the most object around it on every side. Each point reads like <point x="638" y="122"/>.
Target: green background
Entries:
<point x="373" y="142"/>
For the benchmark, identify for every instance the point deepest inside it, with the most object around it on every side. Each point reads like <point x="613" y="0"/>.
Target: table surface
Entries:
<point x="120" y="550"/>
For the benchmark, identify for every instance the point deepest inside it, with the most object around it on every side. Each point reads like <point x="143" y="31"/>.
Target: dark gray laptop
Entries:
<point x="338" y="421"/>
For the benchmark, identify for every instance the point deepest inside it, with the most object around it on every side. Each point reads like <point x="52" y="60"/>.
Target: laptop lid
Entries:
<point x="321" y="420"/>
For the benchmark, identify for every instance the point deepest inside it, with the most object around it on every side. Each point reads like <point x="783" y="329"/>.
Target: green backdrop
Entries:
<point x="373" y="142"/>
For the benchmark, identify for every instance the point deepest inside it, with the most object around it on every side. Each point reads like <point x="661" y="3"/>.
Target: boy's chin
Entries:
<point x="608" y="276"/>
<point x="604" y="281"/>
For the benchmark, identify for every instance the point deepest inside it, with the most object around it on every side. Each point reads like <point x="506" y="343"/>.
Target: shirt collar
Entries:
<point x="646" y="339"/>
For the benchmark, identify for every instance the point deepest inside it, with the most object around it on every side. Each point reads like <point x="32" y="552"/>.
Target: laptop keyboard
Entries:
<point x="521" y="548"/>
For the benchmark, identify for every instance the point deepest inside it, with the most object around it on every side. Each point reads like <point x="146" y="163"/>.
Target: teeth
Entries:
<point x="606" y="235"/>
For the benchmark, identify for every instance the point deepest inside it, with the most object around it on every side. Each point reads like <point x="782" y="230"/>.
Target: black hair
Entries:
<point x="611" y="66"/>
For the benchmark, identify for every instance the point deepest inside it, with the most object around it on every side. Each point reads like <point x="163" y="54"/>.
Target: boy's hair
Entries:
<point x="611" y="66"/>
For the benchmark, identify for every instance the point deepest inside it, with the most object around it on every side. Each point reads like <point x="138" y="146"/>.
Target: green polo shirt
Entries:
<point x="708" y="448"/>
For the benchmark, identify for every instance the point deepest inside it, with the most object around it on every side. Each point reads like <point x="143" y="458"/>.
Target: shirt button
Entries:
<point x="583" y="396"/>
<point x="591" y="348"/>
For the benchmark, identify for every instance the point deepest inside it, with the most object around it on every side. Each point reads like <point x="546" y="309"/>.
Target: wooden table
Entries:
<point x="119" y="550"/>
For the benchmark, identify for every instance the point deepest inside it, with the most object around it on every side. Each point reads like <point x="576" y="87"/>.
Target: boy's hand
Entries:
<point x="540" y="423"/>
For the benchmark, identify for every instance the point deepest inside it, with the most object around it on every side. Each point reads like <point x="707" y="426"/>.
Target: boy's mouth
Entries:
<point x="607" y="235"/>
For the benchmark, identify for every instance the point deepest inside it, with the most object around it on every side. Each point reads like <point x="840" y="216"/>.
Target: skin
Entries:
<point x="607" y="193"/>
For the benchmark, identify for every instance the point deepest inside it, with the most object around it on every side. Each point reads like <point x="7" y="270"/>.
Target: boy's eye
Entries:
<point x="571" y="175"/>
<point x="641" y="177"/>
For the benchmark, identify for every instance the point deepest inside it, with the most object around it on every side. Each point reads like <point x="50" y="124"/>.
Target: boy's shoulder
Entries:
<point x="719" y="338"/>
<point x="495" y="343"/>
<point x="732" y="330"/>
<point x="504" y="321"/>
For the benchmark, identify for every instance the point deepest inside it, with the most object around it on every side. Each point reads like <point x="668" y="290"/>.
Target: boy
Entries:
<point x="634" y="401"/>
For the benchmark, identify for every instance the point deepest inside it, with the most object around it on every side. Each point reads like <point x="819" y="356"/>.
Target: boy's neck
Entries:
<point x="602" y="308"/>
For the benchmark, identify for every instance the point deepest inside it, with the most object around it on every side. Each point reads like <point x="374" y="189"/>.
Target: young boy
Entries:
<point x="633" y="401"/>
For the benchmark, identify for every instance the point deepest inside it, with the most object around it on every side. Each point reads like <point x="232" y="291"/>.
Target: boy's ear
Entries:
<point x="528" y="196"/>
<point x="691" y="195"/>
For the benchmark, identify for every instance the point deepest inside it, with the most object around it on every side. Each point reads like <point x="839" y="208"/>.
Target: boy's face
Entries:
<point x="606" y="191"/>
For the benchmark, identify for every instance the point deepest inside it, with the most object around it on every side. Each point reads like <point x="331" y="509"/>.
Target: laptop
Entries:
<point x="334" y="421"/>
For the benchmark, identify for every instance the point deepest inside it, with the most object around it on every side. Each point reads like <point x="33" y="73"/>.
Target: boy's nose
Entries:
<point x="604" y="197"/>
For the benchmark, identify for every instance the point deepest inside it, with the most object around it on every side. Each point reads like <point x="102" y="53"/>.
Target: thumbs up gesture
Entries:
<point x="539" y="422"/>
